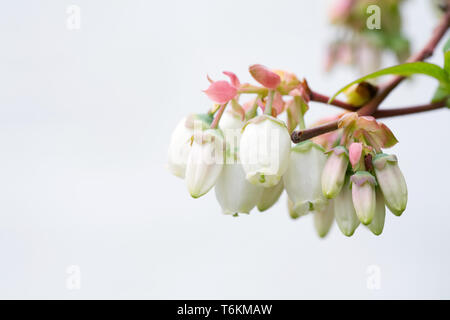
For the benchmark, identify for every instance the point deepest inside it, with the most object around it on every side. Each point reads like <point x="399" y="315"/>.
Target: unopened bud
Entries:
<point x="333" y="174"/>
<point x="392" y="182"/>
<point x="360" y="93"/>
<point x="377" y="224"/>
<point x="363" y="195"/>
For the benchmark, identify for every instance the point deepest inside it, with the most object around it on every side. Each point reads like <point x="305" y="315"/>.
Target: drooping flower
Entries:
<point x="180" y="142"/>
<point x="302" y="180"/>
<point x="392" y="182"/>
<point x="233" y="192"/>
<point x="205" y="161"/>
<point x="363" y="195"/>
<point x="377" y="224"/>
<point x="333" y="175"/>
<point x="270" y="196"/>
<point x="344" y="211"/>
<point x="231" y="125"/>
<point x="264" y="150"/>
<point x="179" y="147"/>
<point x="323" y="219"/>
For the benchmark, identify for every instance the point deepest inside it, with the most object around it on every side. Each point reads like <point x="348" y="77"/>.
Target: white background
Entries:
<point x="85" y="120"/>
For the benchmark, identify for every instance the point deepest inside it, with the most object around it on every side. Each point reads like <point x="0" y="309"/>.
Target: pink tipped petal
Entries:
<point x="355" y="151"/>
<point x="264" y="76"/>
<point x="221" y="92"/>
<point x="233" y="78"/>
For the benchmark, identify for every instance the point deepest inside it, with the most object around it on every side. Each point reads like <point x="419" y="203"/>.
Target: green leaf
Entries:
<point x="441" y="93"/>
<point x="447" y="56"/>
<point x="406" y="69"/>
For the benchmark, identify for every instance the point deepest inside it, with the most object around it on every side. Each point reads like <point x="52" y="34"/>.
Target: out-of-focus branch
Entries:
<point x="371" y="107"/>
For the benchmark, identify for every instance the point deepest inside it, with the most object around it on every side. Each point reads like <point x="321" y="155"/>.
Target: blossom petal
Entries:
<point x="221" y="92"/>
<point x="233" y="78"/>
<point x="264" y="76"/>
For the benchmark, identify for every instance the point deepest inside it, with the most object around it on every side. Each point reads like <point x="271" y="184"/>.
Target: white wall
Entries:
<point x="85" y="119"/>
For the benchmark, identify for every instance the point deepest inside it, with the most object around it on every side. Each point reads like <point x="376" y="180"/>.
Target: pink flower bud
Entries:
<point x="333" y="174"/>
<point x="363" y="195"/>
<point x="264" y="76"/>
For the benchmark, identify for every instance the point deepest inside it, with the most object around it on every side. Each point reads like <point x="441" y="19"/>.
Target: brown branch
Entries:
<point x="409" y="110"/>
<point x="302" y="135"/>
<point x="371" y="107"/>
<point x="317" y="97"/>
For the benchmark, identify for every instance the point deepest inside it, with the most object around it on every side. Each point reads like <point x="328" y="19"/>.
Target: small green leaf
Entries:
<point x="440" y="93"/>
<point x="406" y="69"/>
<point x="447" y="56"/>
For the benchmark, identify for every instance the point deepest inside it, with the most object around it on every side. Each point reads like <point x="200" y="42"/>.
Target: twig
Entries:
<point x="409" y="110"/>
<point x="315" y="96"/>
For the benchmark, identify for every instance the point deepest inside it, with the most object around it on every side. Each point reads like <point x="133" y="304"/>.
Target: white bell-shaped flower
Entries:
<point x="264" y="150"/>
<point x="205" y="161"/>
<point x="234" y="192"/>
<point x="344" y="211"/>
<point x="231" y="125"/>
<point x="179" y="148"/>
<point x="323" y="219"/>
<point x="302" y="180"/>
<point x="270" y="196"/>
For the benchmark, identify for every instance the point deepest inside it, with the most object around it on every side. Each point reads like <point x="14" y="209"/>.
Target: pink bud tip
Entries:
<point x="221" y="92"/>
<point x="355" y="151"/>
<point x="264" y="76"/>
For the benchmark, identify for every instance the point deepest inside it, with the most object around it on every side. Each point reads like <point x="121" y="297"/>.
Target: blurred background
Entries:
<point x="85" y="120"/>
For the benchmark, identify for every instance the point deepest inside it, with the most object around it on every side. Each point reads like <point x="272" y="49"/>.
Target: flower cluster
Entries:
<point x="245" y="152"/>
